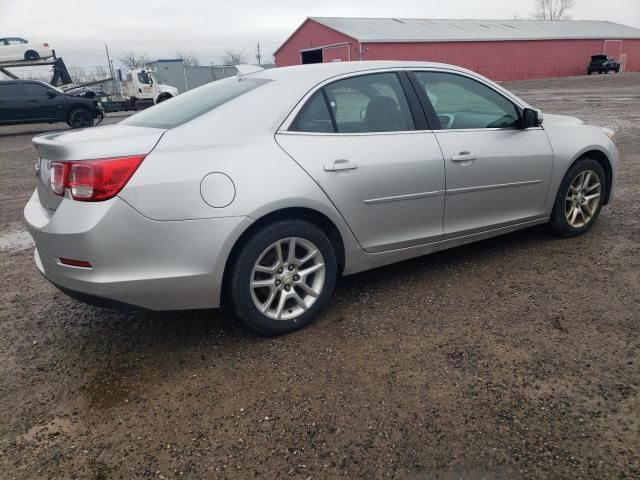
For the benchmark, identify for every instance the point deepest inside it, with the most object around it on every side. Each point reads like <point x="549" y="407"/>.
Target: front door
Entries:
<point x="497" y="173"/>
<point x="42" y="105"/>
<point x="357" y="138"/>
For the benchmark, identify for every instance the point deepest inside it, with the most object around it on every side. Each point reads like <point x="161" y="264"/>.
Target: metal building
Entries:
<point x="498" y="49"/>
<point x="173" y="72"/>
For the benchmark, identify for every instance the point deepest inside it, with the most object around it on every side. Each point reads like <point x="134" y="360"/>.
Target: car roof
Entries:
<point x="25" y="81"/>
<point x="319" y="72"/>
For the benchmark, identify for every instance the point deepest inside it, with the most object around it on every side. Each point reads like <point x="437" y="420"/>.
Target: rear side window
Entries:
<point x="370" y="103"/>
<point x="187" y="106"/>
<point x="314" y="117"/>
<point x="11" y="90"/>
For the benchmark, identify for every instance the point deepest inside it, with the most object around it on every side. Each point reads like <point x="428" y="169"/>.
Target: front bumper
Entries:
<point x="156" y="265"/>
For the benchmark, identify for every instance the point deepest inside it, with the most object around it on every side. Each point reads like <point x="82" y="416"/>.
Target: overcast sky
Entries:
<point x="78" y="29"/>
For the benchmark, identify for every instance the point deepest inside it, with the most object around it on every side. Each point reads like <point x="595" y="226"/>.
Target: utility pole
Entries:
<point x="109" y="63"/>
<point x="113" y="75"/>
<point x="258" y="54"/>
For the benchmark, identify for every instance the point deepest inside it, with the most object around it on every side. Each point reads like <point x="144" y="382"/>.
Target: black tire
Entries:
<point x="80" y="118"/>
<point x="589" y="72"/>
<point x="241" y="275"/>
<point x="162" y="98"/>
<point x="617" y="70"/>
<point x="31" y="55"/>
<point x="559" y="223"/>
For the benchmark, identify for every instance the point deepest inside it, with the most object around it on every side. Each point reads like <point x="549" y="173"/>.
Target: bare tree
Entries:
<point x="553" y="9"/>
<point x="190" y="59"/>
<point x="133" y="60"/>
<point x="234" y="57"/>
<point x="101" y="72"/>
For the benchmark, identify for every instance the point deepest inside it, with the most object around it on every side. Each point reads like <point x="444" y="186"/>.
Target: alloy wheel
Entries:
<point x="583" y="198"/>
<point x="287" y="278"/>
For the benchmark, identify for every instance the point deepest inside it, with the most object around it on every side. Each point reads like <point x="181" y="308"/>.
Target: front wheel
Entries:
<point x="283" y="276"/>
<point x="80" y="118"/>
<point x="579" y="199"/>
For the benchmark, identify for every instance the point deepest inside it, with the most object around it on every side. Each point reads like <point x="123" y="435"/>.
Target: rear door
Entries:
<point x="13" y="103"/>
<point x="497" y="173"/>
<point x="367" y="146"/>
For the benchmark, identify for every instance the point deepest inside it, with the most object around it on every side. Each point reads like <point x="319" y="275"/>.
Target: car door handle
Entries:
<point x="340" y="165"/>
<point x="463" y="157"/>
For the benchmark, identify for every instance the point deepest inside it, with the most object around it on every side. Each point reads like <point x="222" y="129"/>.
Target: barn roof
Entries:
<point x="427" y="30"/>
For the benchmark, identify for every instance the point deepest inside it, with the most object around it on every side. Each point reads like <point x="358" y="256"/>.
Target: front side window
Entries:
<point x="369" y="103"/>
<point x="144" y="77"/>
<point x="34" y="90"/>
<point x="463" y="103"/>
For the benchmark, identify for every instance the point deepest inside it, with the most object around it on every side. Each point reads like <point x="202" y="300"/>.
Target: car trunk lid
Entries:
<point x="88" y="144"/>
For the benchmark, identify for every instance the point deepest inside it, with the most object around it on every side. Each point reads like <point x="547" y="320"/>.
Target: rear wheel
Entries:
<point x="579" y="199"/>
<point x="283" y="276"/>
<point x="80" y="118"/>
<point x="31" y="55"/>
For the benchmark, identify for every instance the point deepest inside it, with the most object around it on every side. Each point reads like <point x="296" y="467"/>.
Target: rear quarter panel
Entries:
<point x="167" y="186"/>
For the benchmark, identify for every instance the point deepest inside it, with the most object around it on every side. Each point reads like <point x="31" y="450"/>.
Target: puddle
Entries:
<point x="109" y="387"/>
<point x="15" y="240"/>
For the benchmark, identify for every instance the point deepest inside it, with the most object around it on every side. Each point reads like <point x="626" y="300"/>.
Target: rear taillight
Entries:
<point x="93" y="180"/>
<point x="45" y="45"/>
<point x="58" y="177"/>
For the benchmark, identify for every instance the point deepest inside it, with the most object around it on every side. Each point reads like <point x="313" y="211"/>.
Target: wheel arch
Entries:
<point x="310" y="215"/>
<point x="162" y="96"/>
<point x="603" y="160"/>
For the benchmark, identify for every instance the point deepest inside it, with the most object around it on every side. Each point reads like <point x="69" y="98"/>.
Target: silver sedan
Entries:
<point x="262" y="189"/>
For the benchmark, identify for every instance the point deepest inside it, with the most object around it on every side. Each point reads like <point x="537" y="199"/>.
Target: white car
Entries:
<point x="15" y="48"/>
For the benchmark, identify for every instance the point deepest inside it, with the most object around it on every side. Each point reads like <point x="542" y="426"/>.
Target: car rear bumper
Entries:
<point x="135" y="261"/>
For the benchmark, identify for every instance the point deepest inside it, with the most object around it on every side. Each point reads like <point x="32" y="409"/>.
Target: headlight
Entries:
<point x="608" y="132"/>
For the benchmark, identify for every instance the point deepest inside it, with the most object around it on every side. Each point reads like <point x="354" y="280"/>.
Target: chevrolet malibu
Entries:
<point x="262" y="189"/>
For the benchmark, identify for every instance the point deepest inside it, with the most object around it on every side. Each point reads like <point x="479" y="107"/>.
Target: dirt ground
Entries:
<point x="517" y="357"/>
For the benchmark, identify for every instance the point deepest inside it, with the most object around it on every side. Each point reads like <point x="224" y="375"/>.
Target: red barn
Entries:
<point x="498" y="49"/>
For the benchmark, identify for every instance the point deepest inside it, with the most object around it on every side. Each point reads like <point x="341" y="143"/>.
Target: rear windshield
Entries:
<point x="192" y="104"/>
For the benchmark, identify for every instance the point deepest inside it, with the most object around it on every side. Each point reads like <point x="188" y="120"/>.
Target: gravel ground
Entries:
<point x="516" y="357"/>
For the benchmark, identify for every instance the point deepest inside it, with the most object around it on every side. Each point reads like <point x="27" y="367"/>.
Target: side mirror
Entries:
<point x="51" y="94"/>
<point x="531" y="118"/>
